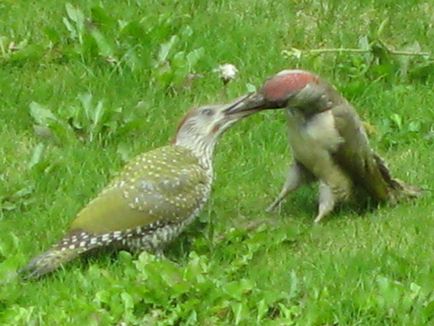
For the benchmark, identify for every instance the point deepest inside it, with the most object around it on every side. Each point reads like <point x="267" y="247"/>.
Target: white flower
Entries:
<point x="227" y="72"/>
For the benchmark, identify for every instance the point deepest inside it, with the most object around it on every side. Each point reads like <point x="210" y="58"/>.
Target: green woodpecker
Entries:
<point x="154" y="197"/>
<point x="328" y="142"/>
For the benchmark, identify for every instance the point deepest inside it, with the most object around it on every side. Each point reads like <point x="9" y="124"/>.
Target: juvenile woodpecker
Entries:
<point x="154" y="197"/>
<point x="328" y="142"/>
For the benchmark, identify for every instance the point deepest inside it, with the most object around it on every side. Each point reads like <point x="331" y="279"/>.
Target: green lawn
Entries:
<point x="105" y="80"/>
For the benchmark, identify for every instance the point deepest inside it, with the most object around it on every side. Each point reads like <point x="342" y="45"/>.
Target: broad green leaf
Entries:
<point x="250" y="88"/>
<point x="86" y="102"/>
<point x="238" y="289"/>
<point x="397" y="119"/>
<point x="262" y="310"/>
<point x="187" y="31"/>
<point x="75" y="15"/>
<point x="414" y="126"/>
<point x="97" y="114"/>
<point x="194" y="56"/>
<point x="41" y="114"/>
<point x="37" y="155"/>
<point x="71" y="29"/>
<point x="128" y="301"/>
<point x="165" y="49"/>
<point x="104" y="47"/>
<point x="133" y="60"/>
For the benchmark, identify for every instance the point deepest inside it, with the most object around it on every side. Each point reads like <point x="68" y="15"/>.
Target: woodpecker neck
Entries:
<point x="201" y="147"/>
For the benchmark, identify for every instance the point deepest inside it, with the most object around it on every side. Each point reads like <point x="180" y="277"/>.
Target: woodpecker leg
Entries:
<point x="336" y="188"/>
<point x="326" y="201"/>
<point x="297" y="176"/>
<point x="159" y="253"/>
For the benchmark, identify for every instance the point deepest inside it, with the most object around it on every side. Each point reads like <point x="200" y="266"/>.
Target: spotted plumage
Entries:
<point x="153" y="198"/>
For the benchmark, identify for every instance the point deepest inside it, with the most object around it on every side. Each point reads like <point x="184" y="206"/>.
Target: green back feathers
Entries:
<point x="164" y="184"/>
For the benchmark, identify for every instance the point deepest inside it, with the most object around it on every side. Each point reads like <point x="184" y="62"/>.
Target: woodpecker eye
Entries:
<point x="208" y="112"/>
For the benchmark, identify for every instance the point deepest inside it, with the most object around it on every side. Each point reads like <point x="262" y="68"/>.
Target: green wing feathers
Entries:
<point x="164" y="184"/>
<point x="362" y="163"/>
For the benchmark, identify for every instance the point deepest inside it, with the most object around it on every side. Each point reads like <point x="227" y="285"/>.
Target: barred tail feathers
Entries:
<point x="71" y="246"/>
<point x="398" y="189"/>
<point x="48" y="262"/>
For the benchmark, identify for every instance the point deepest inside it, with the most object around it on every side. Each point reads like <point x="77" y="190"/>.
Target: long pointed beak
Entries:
<point x="251" y="103"/>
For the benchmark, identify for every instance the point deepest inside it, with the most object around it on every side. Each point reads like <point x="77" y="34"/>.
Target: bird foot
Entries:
<point x="159" y="254"/>
<point x="271" y="208"/>
<point x="318" y="219"/>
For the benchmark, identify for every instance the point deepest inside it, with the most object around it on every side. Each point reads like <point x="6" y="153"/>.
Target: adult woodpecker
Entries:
<point x="154" y="197"/>
<point x="328" y="142"/>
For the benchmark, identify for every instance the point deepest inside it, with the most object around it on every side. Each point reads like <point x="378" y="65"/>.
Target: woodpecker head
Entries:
<point x="202" y="126"/>
<point x="293" y="89"/>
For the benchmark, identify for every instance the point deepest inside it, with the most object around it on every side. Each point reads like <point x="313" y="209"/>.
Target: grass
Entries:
<point x="369" y="268"/>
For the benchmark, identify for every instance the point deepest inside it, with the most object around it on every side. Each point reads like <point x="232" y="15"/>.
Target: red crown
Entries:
<point x="277" y="88"/>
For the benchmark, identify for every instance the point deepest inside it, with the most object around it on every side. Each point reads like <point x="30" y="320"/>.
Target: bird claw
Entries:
<point x="159" y="254"/>
<point x="318" y="219"/>
<point x="271" y="208"/>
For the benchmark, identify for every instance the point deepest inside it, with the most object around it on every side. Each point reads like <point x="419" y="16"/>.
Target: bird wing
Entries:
<point x="166" y="184"/>
<point x="355" y="153"/>
<point x="351" y="129"/>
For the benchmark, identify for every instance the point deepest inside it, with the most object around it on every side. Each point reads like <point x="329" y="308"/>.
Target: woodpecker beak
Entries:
<point x="250" y="103"/>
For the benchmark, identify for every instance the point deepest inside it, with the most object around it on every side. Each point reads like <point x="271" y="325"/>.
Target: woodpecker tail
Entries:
<point x="48" y="262"/>
<point x="71" y="246"/>
<point x="399" y="190"/>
